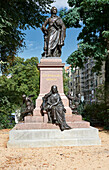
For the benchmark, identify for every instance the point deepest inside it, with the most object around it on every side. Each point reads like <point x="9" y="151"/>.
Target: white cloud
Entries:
<point x="60" y="4"/>
<point x="30" y="43"/>
<point x="35" y="48"/>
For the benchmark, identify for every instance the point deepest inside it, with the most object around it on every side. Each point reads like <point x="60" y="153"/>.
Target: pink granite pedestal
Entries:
<point x="51" y="73"/>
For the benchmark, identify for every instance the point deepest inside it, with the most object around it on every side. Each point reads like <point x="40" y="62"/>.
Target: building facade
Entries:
<point x="84" y="81"/>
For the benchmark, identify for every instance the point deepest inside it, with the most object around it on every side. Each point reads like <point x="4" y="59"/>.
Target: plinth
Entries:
<point x="51" y="73"/>
<point x="37" y="132"/>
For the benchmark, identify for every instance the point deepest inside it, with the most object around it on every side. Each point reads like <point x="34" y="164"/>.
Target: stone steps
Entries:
<point x="35" y="119"/>
<point x="73" y="117"/>
<point x="79" y="124"/>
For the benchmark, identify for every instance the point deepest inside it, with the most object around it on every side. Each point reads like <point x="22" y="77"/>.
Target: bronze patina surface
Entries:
<point x="52" y="103"/>
<point x="54" y="35"/>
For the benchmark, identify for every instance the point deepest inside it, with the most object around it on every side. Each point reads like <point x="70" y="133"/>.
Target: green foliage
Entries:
<point x="24" y="79"/>
<point x="80" y="108"/>
<point x="106" y="34"/>
<point x="96" y="114"/>
<point x="6" y="120"/>
<point x="78" y="58"/>
<point x="65" y="82"/>
<point x="71" y="18"/>
<point x="101" y="96"/>
<point x="93" y="15"/>
<point x="15" y="16"/>
<point x="100" y="93"/>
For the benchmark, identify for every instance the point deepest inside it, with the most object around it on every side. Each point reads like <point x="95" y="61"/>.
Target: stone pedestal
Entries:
<point x="51" y="73"/>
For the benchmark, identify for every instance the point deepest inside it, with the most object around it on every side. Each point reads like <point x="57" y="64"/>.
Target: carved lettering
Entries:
<point x="50" y="75"/>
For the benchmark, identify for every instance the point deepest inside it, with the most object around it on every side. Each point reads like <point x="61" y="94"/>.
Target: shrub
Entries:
<point x="96" y="114"/>
<point x="6" y="120"/>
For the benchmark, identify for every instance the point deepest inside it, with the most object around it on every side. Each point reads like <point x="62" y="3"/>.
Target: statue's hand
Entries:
<point x="45" y="32"/>
<point x="64" y="110"/>
<point x="50" y="106"/>
<point x="62" y="43"/>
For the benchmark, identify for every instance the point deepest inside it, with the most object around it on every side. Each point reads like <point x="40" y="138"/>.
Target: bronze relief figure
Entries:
<point x="54" y="35"/>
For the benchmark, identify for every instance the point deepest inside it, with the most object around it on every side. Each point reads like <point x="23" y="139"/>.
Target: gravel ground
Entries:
<point x="55" y="158"/>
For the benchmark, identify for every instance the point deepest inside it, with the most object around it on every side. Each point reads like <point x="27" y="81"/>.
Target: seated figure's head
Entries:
<point x="54" y="89"/>
<point x="53" y="10"/>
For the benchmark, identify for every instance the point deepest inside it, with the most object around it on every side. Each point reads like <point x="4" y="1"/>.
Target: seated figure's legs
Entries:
<point x="61" y="119"/>
<point x="49" y="117"/>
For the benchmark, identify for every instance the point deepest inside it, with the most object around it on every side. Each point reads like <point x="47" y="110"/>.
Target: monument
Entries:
<point x="50" y="125"/>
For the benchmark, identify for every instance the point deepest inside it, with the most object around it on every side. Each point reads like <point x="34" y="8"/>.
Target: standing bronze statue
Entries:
<point x="52" y="103"/>
<point x="54" y="35"/>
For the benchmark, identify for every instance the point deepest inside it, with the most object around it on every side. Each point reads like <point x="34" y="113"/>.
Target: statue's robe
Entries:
<point x="56" y="35"/>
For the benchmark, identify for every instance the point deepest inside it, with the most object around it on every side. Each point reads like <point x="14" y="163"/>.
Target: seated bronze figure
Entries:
<point x="53" y="105"/>
<point x="27" y="107"/>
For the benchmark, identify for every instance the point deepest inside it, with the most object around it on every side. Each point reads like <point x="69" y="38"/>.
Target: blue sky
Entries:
<point x="34" y="39"/>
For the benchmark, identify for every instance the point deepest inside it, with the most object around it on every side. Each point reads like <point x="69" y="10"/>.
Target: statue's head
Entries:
<point x="54" y="89"/>
<point x="53" y="10"/>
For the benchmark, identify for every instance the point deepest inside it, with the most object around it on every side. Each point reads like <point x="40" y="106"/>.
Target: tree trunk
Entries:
<point x="107" y="87"/>
<point x="3" y="59"/>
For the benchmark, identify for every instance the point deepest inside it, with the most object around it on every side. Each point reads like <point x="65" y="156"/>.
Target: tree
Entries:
<point x="23" y="78"/>
<point x="94" y="37"/>
<point x="65" y="82"/>
<point x="15" y="16"/>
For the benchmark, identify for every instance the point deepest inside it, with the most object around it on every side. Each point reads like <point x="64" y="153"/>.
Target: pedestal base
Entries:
<point x="53" y="137"/>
